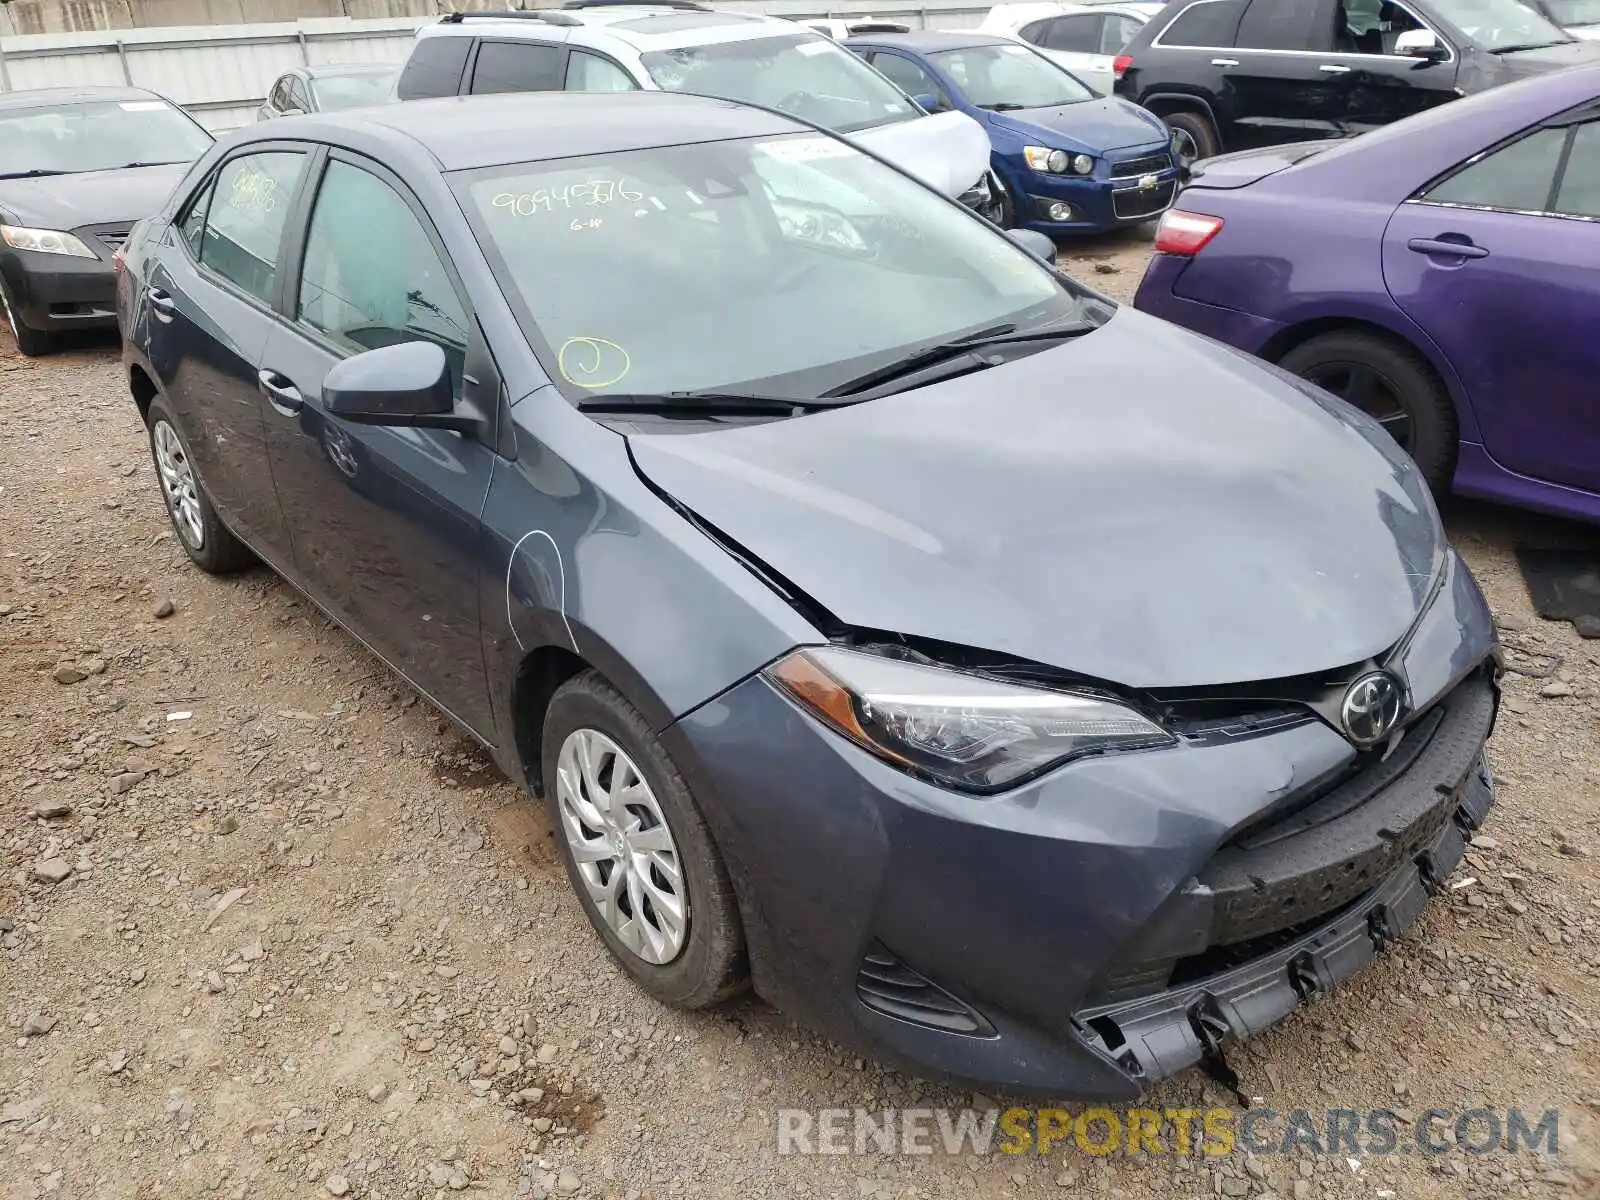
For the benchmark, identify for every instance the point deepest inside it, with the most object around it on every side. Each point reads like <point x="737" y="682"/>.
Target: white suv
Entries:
<point x="675" y="45"/>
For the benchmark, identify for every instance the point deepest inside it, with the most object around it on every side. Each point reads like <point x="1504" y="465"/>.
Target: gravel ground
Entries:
<point x="270" y="928"/>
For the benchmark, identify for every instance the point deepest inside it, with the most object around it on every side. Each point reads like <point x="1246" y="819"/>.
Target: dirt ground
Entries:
<point x="270" y="929"/>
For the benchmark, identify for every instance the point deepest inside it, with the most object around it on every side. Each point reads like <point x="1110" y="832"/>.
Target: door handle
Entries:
<point x="1334" y="68"/>
<point x="161" y="303"/>
<point x="1224" y="62"/>
<point x="1446" y="247"/>
<point x="280" y="393"/>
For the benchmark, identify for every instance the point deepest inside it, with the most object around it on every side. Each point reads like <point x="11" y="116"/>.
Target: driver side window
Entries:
<point x="371" y="276"/>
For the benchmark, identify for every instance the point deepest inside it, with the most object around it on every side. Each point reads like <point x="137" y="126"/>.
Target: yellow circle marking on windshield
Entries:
<point x="591" y="362"/>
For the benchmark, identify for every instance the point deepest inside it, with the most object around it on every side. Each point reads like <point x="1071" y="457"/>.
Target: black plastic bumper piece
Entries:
<point x="1157" y="1036"/>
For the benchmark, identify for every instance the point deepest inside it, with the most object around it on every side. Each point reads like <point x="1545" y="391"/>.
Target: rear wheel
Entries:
<point x="31" y="342"/>
<point x="1391" y="384"/>
<point x="1193" y="137"/>
<point x="205" y="539"/>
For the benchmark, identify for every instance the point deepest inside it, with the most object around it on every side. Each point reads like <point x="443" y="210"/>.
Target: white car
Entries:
<point x="1580" y="18"/>
<point x="679" y="46"/>
<point x="1085" y="38"/>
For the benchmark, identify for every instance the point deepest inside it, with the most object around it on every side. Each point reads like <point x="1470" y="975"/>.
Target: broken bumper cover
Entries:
<point x="1157" y="1036"/>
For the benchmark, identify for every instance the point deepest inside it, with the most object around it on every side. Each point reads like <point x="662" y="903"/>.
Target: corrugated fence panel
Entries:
<point x="222" y="73"/>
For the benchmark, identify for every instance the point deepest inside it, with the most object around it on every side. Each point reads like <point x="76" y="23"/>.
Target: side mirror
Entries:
<point x="1420" y="43"/>
<point x="406" y="384"/>
<point x="1035" y="243"/>
<point x="927" y="103"/>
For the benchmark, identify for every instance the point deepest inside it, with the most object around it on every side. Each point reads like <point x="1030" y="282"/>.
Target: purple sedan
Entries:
<point x="1441" y="273"/>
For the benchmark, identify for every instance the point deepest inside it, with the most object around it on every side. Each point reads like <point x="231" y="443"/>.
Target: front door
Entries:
<point x="1384" y="86"/>
<point x="1500" y="263"/>
<point x="385" y="518"/>
<point x="206" y="317"/>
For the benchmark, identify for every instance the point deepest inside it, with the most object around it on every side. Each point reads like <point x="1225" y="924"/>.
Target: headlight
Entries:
<point x="966" y="731"/>
<point x="1041" y="158"/>
<point x="1083" y="164"/>
<point x="44" y="241"/>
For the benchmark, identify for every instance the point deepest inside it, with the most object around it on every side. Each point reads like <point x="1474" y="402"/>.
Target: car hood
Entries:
<point x="89" y="198"/>
<point x="1092" y="126"/>
<point x="948" y="151"/>
<point x="1140" y="505"/>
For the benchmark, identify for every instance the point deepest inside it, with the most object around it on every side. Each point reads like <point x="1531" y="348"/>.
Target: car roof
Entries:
<point x="465" y="132"/>
<point x="644" y="27"/>
<point x="931" y="41"/>
<point x="59" y="96"/>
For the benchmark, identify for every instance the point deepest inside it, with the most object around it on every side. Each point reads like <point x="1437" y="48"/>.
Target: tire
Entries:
<point x="1198" y="129"/>
<point x="708" y="964"/>
<point x="31" y="342"/>
<point x="204" y="538"/>
<point x="1349" y="362"/>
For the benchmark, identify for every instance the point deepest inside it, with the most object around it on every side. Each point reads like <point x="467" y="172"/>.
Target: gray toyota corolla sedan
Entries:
<point x="1018" y="686"/>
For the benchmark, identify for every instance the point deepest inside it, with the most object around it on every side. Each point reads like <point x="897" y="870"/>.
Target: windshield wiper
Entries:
<point x="1004" y="106"/>
<point x="999" y="335"/>
<point x="35" y="173"/>
<point x="169" y="162"/>
<point x="699" y="404"/>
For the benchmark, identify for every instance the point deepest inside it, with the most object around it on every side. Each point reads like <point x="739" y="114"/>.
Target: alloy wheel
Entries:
<point x="11" y="317"/>
<point x="1363" y="387"/>
<point x="178" y="485"/>
<point x="622" y="845"/>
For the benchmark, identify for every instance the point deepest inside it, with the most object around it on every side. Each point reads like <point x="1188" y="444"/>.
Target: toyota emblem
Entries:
<point x="1371" y="708"/>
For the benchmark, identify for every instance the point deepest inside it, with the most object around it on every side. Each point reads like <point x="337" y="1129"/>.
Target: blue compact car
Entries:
<point x="1071" y="161"/>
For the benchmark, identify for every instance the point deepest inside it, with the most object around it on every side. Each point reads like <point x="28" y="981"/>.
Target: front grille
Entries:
<point x="1150" y="164"/>
<point x="886" y="985"/>
<point x="1142" y="202"/>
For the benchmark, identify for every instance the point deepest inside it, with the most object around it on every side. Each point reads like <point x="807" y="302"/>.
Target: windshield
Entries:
<point x="1575" y="12"/>
<point x="782" y="266"/>
<point x="1010" y="77"/>
<point x="97" y="137"/>
<point x="803" y="74"/>
<point x="356" y="90"/>
<point x="1499" y="25"/>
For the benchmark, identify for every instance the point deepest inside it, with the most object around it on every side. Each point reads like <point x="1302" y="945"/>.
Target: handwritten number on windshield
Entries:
<point x="595" y="193"/>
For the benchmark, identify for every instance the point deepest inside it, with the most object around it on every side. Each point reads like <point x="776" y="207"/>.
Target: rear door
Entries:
<point x="1500" y="263"/>
<point x="1284" y="82"/>
<point x="208" y="299"/>
<point x="1074" y="41"/>
<point x="385" y="518"/>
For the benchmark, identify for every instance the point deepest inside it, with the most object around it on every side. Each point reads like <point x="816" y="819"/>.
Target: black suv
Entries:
<point x="1232" y="74"/>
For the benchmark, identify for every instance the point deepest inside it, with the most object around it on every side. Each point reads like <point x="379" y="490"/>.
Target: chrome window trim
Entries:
<point x="1490" y="208"/>
<point x="1157" y="44"/>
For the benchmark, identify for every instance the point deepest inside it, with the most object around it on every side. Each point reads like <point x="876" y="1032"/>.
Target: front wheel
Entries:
<point x="637" y="850"/>
<point x="1391" y="384"/>
<point x="31" y="342"/>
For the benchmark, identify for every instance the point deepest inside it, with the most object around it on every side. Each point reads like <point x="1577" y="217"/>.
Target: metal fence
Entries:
<point x="222" y="73"/>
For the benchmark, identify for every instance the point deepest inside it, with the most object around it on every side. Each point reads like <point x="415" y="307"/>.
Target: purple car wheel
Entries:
<point x="1391" y="384"/>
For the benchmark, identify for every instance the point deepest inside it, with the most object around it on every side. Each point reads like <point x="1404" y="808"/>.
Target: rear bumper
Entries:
<point x="55" y="292"/>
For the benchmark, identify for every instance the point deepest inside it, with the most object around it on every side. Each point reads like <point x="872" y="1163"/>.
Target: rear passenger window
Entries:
<point x="1208" y="24"/>
<point x="1275" y="25"/>
<point x="517" y="67"/>
<point x="193" y="225"/>
<point x="591" y="73"/>
<point x="434" y="68"/>
<point x="1079" y="34"/>
<point x="1034" y="32"/>
<point x="1118" y="32"/>
<point x="245" y="219"/>
<point x="1520" y="176"/>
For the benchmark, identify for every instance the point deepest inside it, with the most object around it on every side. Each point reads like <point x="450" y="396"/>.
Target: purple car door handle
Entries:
<point x="1451" y="249"/>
